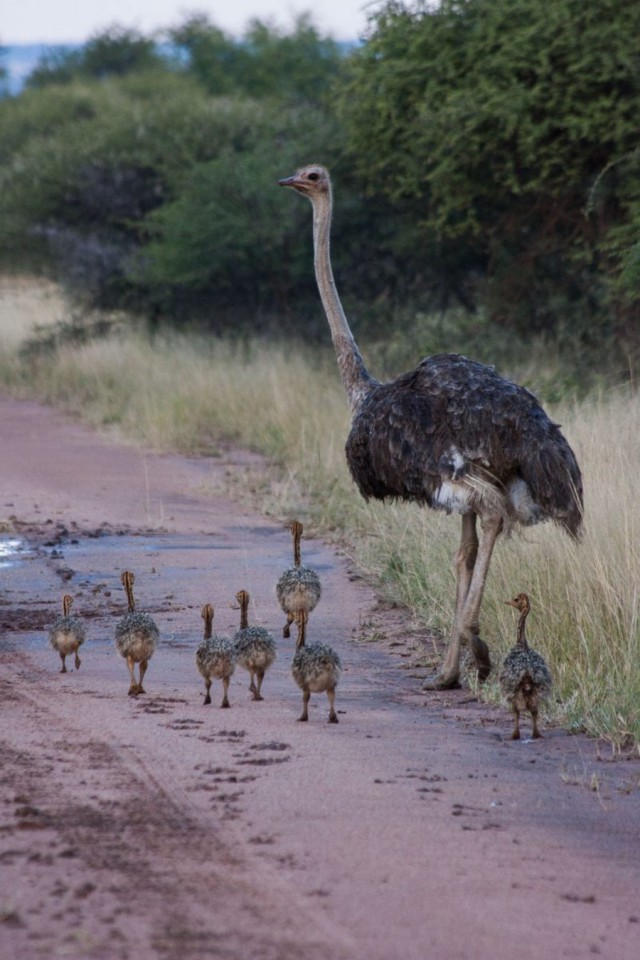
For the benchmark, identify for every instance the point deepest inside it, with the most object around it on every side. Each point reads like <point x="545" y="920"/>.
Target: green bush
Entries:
<point x="491" y="121"/>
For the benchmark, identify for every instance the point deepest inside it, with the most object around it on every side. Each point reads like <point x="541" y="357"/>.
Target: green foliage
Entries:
<point x="493" y="119"/>
<point x="88" y="162"/>
<point x="145" y="191"/>
<point x="485" y="158"/>
<point x="229" y="228"/>
<point x="267" y="62"/>
<point x="115" y="52"/>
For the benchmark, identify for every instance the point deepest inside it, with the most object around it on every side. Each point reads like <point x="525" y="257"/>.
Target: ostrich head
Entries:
<point x="242" y="597"/>
<point x="521" y="603"/>
<point x="311" y="180"/>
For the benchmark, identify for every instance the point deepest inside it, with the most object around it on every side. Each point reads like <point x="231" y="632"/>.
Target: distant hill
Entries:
<point x="18" y="60"/>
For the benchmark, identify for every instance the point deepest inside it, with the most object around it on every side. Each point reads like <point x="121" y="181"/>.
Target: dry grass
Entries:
<point x="189" y="395"/>
<point x="24" y="306"/>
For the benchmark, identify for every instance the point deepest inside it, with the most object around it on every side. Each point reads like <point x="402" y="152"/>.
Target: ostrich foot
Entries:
<point x="257" y="696"/>
<point x="78" y="662"/>
<point x="303" y="719"/>
<point x="443" y="681"/>
<point x="332" y="718"/>
<point x="133" y="690"/>
<point x="225" y="704"/>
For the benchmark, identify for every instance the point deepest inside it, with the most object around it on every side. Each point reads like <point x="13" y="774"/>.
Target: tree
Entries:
<point x="115" y="52"/>
<point x="265" y="63"/>
<point x="492" y="119"/>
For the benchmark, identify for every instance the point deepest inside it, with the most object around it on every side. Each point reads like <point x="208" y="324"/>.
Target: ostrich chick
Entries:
<point x="136" y="636"/>
<point x="254" y="646"/>
<point x="298" y="589"/>
<point x="524" y="678"/>
<point x="67" y="633"/>
<point x="215" y="657"/>
<point x="315" y="668"/>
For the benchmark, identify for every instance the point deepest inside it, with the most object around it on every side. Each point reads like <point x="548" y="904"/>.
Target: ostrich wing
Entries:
<point x="450" y="418"/>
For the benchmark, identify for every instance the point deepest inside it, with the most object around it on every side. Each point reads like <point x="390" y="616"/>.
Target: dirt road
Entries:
<point x="156" y="827"/>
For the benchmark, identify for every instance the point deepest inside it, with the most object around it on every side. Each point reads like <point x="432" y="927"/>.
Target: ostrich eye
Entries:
<point x="313" y="176"/>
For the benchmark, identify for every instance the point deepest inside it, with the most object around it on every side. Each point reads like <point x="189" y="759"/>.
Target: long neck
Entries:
<point x="244" y="611"/>
<point x="67" y="603"/>
<point x="522" y="639"/>
<point x="127" y="581"/>
<point x="355" y="376"/>
<point x="296" y="529"/>
<point x="207" y="616"/>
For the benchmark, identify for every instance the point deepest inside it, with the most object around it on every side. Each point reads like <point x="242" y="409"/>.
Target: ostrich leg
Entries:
<point x="463" y="564"/>
<point x="491" y="530"/>
<point x="142" y="670"/>
<point x="473" y="576"/>
<point x="133" y="688"/>
<point x="331" y="694"/>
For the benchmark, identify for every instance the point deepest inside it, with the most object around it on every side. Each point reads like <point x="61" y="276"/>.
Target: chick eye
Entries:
<point x="313" y="176"/>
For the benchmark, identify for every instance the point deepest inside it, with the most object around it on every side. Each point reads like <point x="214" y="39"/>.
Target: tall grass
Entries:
<point x="191" y="395"/>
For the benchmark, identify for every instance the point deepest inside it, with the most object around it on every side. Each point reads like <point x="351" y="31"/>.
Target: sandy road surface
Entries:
<point x="159" y="828"/>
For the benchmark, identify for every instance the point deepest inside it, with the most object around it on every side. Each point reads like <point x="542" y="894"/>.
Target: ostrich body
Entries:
<point x="67" y="634"/>
<point x="136" y="637"/>
<point x="524" y="678"/>
<point x="299" y="588"/>
<point x="254" y="646"/>
<point x="452" y="435"/>
<point x="215" y="658"/>
<point x="316" y="669"/>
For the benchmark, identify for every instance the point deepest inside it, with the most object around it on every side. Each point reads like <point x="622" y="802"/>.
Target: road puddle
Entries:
<point x="12" y="551"/>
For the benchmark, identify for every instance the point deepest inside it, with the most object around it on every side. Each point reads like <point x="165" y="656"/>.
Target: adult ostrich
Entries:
<point x="453" y="435"/>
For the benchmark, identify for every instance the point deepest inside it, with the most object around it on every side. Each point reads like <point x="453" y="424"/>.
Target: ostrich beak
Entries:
<point x="511" y="603"/>
<point x="287" y="182"/>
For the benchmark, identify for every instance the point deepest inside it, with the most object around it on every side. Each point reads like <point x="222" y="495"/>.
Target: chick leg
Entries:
<point x="306" y="696"/>
<point x="64" y="665"/>
<point x="207" y="687"/>
<point x="516" y="717"/>
<point x="225" y="690"/>
<point x="256" y="693"/>
<point x="143" y="669"/>
<point x="133" y="688"/>
<point x="331" y="694"/>
<point x="534" y="716"/>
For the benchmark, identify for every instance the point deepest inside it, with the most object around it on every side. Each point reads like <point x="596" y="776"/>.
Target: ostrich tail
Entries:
<point x="555" y="482"/>
<point x="573" y="523"/>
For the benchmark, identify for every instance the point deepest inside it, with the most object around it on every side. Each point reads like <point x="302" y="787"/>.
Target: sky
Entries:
<point x="74" y="21"/>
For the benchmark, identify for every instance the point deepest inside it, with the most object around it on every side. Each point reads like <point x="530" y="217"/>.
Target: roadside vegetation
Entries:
<point x="189" y="393"/>
<point x="486" y="162"/>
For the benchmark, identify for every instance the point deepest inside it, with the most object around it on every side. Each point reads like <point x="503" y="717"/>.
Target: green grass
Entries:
<point x="191" y="395"/>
